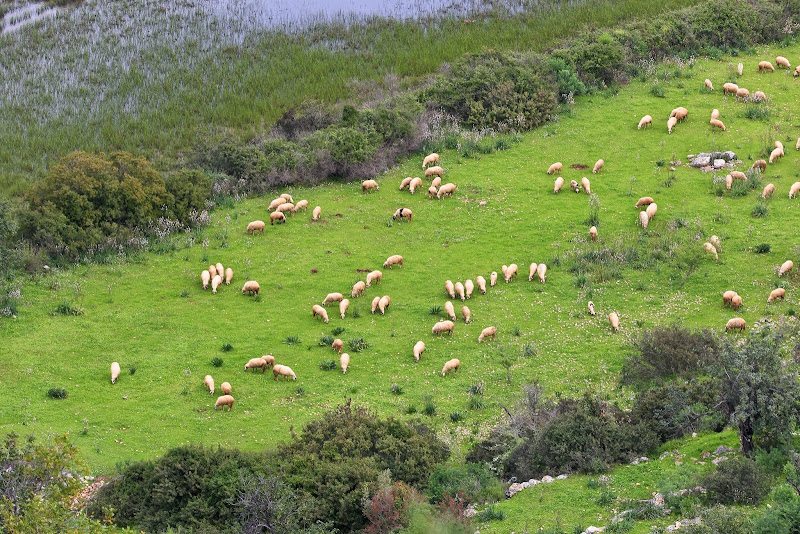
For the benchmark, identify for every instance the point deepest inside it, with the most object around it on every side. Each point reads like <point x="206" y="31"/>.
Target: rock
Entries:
<point x="533" y="482"/>
<point x="729" y="155"/>
<point x="701" y="161"/>
<point x="658" y="499"/>
<point x="526" y="485"/>
<point x="706" y="454"/>
<point x="561" y="477"/>
<point x="722" y="449"/>
<point x="593" y="530"/>
<point x="512" y="489"/>
<point x="716" y="461"/>
<point x="482" y="203"/>
<point x="718" y="163"/>
<point x="547" y="479"/>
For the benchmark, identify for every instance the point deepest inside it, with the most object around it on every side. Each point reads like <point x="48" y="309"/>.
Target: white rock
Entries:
<point x="547" y="479"/>
<point x="561" y="477"/>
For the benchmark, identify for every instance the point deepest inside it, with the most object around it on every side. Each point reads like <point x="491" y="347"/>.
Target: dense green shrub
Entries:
<point x="597" y="58"/>
<point x="784" y="515"/>
<point x="566" y="79"/>
<point x="57" y="393"/>
<point x="473" y="482"/>
<point x="674" y="410"/>
<point x="664" y="352"/>
<point x="189" y="191"/>
<point x="736" y="481"/>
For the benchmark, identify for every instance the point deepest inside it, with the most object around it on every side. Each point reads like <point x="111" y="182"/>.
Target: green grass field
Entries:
<point x="149" y="311"/>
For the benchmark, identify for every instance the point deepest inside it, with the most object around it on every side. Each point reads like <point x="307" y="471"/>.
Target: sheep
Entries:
<point x="765" y="65"/>
<point x="671" y="124"/>
<point x="460" y="291"/>
<point x="450" y="289"/>
<point x="276" y="216"/>
<point x="396" y="259"/>
<point x="493" y="276"/>
<point x="727" y="297"/>
<point x="736" y="302"/>
<point x="436" y="182"/>
<point x="715" y="113"/>
<point x="541" y="271"/>
<point x="337" y="345"/>
<point x="554" y="168"/>
<point x="709" y="85"/>
<point x="557" y="185"/>
<point x="759" y="164"/>
<point x="205" y="277"/>
<point x="488" y="332"/>
<point x="644" y="201"/>
<point x="369" y="185"/>
<point x="651" y="210"/>
<point x="343" y="305"/>
<point x="598" y="166"/>
<point x="532" y="271"/>
<point x="258" y="363"/>
<point x="759" y="96"/>
<point x="226" y="388"/>
<point x="288" y="197"/>
<point x="743" y="93"/>
<point x="716" y="123"/>
<point x="419" y="348"/>
<point x="115" y="371"/>
<point x="794" y="189"/>
<point x="769" y="189"/>
<point x="228" y="276"/>
<point x="430" y="158"/>
<point x="450" y="310"/>
<point x="796" y="71"/>
<point x="286" y="208"/>
<point x="373" y="276"/>
<point x="797" y="145"/>
<point x="302" y="205"/>
<point x="251" y="287"/>
<point x="738" y="175"/>
<point x="212" y="270"/>
<point x="402" y="213"/>
<point x="740" y="68"/>
<point x="276" y="202"/>
<point x="283" y="370"/>
<point x="729" y="88"/>
<point x="782" y="62"/>
<point x="209" y="382"/>
<point x="590" y="305"/>
<point x="344" y="361"/>
<point x="778" y="144"/>
<point x="779" y="293"/>
<point x="446" y="189"/>
<point x="415" y="183"/>
<point x="481" y="281"/>
<point x="586" y="185"/>
<point x="434" y="171"/>
<point x="728" y="181"/>
<point x="644" y="219"/>
<point x="270" y="359"/>
<point x="316" y="309"/>
<point x="383" y="304"/>
<point x="574" y="186"/>
<point x="443" y="326"/>
<point x="786" y="266"/>
<point x="224" y="400"/>
<point x="737" y="323"/>
<point x="432" y="192"/>
<point x="645" y="121"/>
<point x="593" y="233"/>
<point x="315" y="215"/>
<point x="680" y="113"/>
<point x="358" y="289"/>
<point x="714" y="240"/>
<point x="711" y="249"/>
<point x="467" y="314"/>
<point x="256" y="226"/>
<point x="469" y="287"/>
<point x="510" y="272"/>
<point x="332" y="297"/>
<point x="375" y="303"/>
<point x="613" y="318"/>
<point x="215" y="283"/>
<point x="451" y="365"/>
<point x="776" y="153"/>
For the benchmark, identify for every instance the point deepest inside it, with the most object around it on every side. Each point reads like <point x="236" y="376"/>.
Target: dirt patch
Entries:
<point x="578" y="166"/>
<point x="363" y="270"/>
<point x="314" y="271"/>
<point x="337" y="215"/>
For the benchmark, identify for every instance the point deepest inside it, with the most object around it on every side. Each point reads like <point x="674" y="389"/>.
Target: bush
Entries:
<point x="358" y="344"/>
<point x="327" y="365"/>
<point x="216" y="361"/>
<point x="474" y="482"/>
<point x="759" y="211"/>
<point x="736" y="481"/>
<point x="57" y="393"/>
<point x="325" y="341"/>
<point x="762" y="248"/>
<point x="66" y="308"/>
<point x="491" y="513"/>
<point x="674" y="410"/>
<point x="189" y="191"/>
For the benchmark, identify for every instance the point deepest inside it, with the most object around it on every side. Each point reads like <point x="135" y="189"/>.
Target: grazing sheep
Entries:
<point x="430" y="158"/>
<point x="593" y="233"/>
<point x="375" y="303"/>
<point x="797" y="145"/>
<point x="644" y="201"/>
<point x="284" y="208"/>
<point x="369" y="185"/>
<point x="740" y="68"/>
<point x="467" y="314"/>
<point x="302" y="205"/>
<point x="337" y="345"/>
<point x="205" y="277"/>
<point x="776" y="153"/>
<point x="450" y="310"/>
<point x="709" y="85"/>
<point x="358" y="289"/>
<point x="646" y="121"/>
<point x="215" y="283"/>
<point x="316" y="213"/>
<point x="679" y="113"/>
<point x="251" y="287"/>
<point x="446" y="189"/>
<point x="743" y="93"/>
<point x="715" y="113"/>
<point x="224" y="400"/>
<point x="481" y="281"/>
<point x="434" y="171"/>
<point x="256" y="226"/>
<point x="270" y="359"/>
<point x="779" y="293"/>
<point x="450" y="289"/>
<point x="796" y="71"/>
<point x="395" y="259"/>
<point x="372" y="276"/>
<point x="714" y="240"/>
<point x="736" y="301"/>
<point x="727" y="297"/>
<point x="443" y="326"/>
<point x="613" y="318"/>
<point x="671" y="124"/>
<point x="316" y="309"/>
<point x="258" y="363"/>
<point x="226" y="388"/>
<point x="469" y="287"/>
<point x="787" y="266"/>
<point x="759" y="96"/>
<point x="782" y="62"/>
<point x="115" y="370"/>
<point x="574" y="186"/>
<point x="402" y="213"/>
<point x="276" y="216"/>
<point x="716" y="123"/>
<point x="283" y="370"/>
<point x="737" y="323"/>
<point x="598" y="166"/>
<point x="436" y="182"/>
<point x="228" y="276"/>
<point x="493" y="276"/>
<point x="488" y="332"/>
<point x="651" y="210"/>
<point x="729" y="88"/>
<point x="344" y="361"/>
<point x="541" y="271"/>
<point x="415" y="183"/>
<point x="591" y="308"/>
<point x="419" y="348"/>
<point x="459" y="287"/>
<point x="288" y="197"/>
<point x="532" y="271"/>
<point x="554" y="168"/>
<point x="765" y="65"/>
<point x="728" y="181"/>
<point x="738" y="175"/>
<point x="510" y="272"/>
<point x="277" y="202"/>
<point x="332" y="297"/>
<point x="383" y="304"/>
<point x="769" y="189"/>
<point x="586" y="185"/>
<point x="778" y="144"/>
<point x="209" y="382"/>
<point x="451" y="365"/>
<point x="432" y="191"/>
<point x="794" y="189"/>
<point x="212" y="270"/>
<point x="711" y="249"/>
<point x="559" y="183"/>
<point x="343" y="305"/>
<point x="644" y="219"/>
<point x="760" y="164"/>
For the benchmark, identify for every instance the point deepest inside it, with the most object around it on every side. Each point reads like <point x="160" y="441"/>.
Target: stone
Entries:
<point x="593" y="530"/>
<point x="701" y="161"/>
<point x="547" y="479"/>
<point x="716" y="461"/>
<point x="729" y="155"/>
<point x="658" y="499"/>
<point x="718" y="163"/>
<point x="533" y="482"/>
<point x="561" y="477"/>
<point x="722" y="449"/>
<point x="526" y="485"/>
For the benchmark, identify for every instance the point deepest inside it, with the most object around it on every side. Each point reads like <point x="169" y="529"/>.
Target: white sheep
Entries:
<point x="586" y="185"/>
<point x="715" y="113"/>
<point x="645" y="121"/>
<point x="759" y="164"/>
<point x="283" y="370"/>
<point x="729" y="88"/>
<point x="711" y="249"/>
<point x="737" y="323"/>
<point x="709" y="85"/>
<point x="226" y="388"/>
<point x="395" y="259"/>
<point x="434" y="171"/>
<point x="779" y="293"/>
<point x="794" y="189"/>
<point x="115" y="371"/>
<point x="251" y="287"/>
<point x="728" y="182"/>
<point x="510" y="272"/>
<point x="541" y="270"/>
<point x="574" y="186"/>
<point x="451" y="365"/>
<point x="776" y="153"/>
<point x="375" y="303"/>
<point x="337" y="345"/>
<point x="432" y="192"/>
<point x="205" y="278"/>
<point x="769" y="189"/>
<point x="258" y="363"/>
<point x="554" y="168"/>
<point x="736" y="302"/>
<point x="467" y="314"/>
<point x="613" y="318"/>
<point x="406" y="181"/>
<point x="593" y="233"/>
<point x="302" y="205"/>
<point x="765" y="65"/>
<point x="459" y="287"/>
<point x="373" y="276"/>
<point x="644" y="201"/>
<point x="415" y="183"/>
<point x="671" y="122"/>
<point x="436" y="182"/>
<point x="286" y="208"/>
<point x="714" y="240"/>
<point x="443" y="326"/>
<point x="481" y="281"/>
<point x="316" y="309"/>
<point x="598" y="166"/>
<point x="651" y="211"/>
<point x="402" y="213"/>
<point x="228" y="276"/>
<point x="332" y="297"/>
<point x="796" y="71"/>
<point x="759" y="96"/>
<point x="288" y="197"/>
<point x="209" y="382"/>
<point x="277" y="202"/>
<point x="419" y="348"/>
<point x="469" y="287"/>
<point x="430" y="158"/>
<point x="557" y="185"/>
<point x="716" y="123"/>
<point x="315" y="214"/>
<point x="224" y="400"/>
<point x="727" y="297"/>
<point x="369" y="185"/>
<point x="358" y="289"/>
<point x="276" y="216"/>
<point x="488" y="332"/>
<point x="256" y="226"/>
<point x="343" y="305"/>
<point x="740" y="68"/>
<point x="644" y="219"/>
<point x="344" y="361"/>
<point x="590" y="305"/>
<point x="532" y="271"/>
<point x="215" y="283"/>
<point x="383" y="304"/>
<point x="450" y="310"/>
<point x="450" y="289"/>
<point x="787" y="266"/>
<point x="445" y="190"/>
<point x="493" y="276"/>
<point x="212" y="270"/>
<point x="680" y="113"/>
<point x="743" y="93"/>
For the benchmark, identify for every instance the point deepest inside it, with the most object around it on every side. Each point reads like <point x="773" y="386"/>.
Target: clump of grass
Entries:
<point x="529" y="350"/>
<point x="762" y="248"/>
<point x="57" y="393"/>
<point x="294" y="340"/>
<point x="132" y="370"/>
<point x="325" y="341"/>
<point x="456" y="417"/>
<point x="358" y="344"/>
<point x="185" y="293"/>
<point x="257" y="298"/>
<point x="397" y="389"/>
<point x="516" y="331"/>
<point x="476" y="389"/>
<point x="606" y="497"/>
<point x="429" y="407"/>
<point x="757" y="113"/>
<point x="227" y="347"/>
<point x="592" y="483"/>
<point x="476" y="403"/>
<point x="492" y="513"/>
<point x="759" y="211"/>
<point x="300" y="391"/>
<point x="327" y="365"/>
<point x="66" y="308"/>
<point x="356" y="314"/>
<point x="435" y="310"/>
<point x="411" y="409"/>
<point x="216" y="361"/>
<point x="338" y="330"/>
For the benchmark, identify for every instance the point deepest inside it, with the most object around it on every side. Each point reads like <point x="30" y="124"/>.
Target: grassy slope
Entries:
<point x="134" y="312"/>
